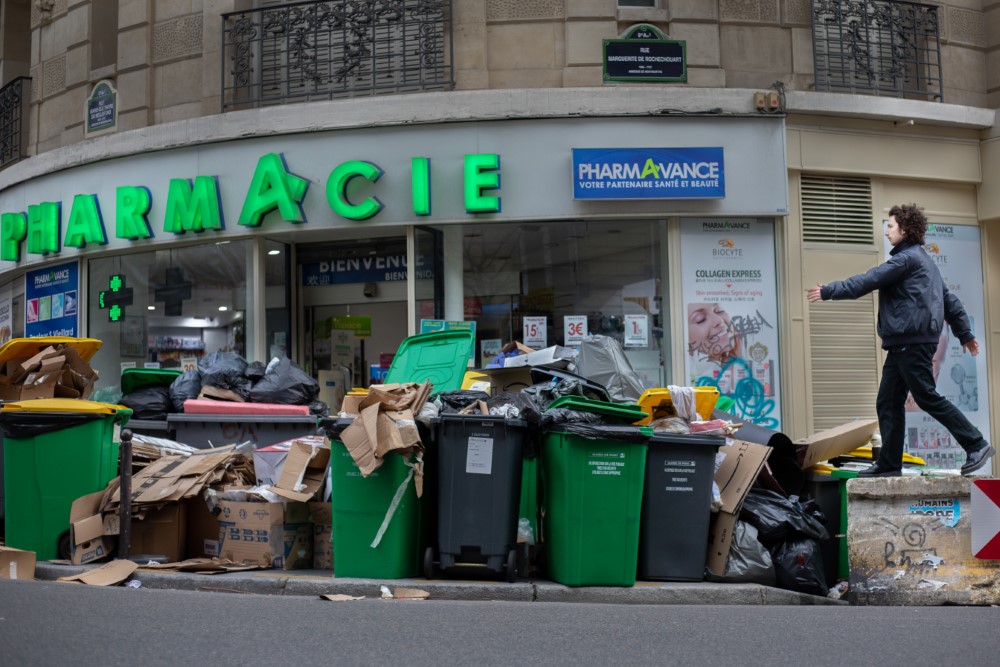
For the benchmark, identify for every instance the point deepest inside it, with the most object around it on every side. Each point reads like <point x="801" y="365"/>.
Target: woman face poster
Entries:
<point x="731" y="314"/>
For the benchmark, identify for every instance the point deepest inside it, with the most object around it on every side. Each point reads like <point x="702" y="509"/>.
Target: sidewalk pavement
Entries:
<point x="321" y="582"/>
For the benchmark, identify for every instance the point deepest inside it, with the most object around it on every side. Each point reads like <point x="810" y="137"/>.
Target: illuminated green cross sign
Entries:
<point x="116" y="298"/>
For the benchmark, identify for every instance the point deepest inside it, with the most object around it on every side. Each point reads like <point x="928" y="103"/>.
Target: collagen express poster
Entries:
<point x="730" y="308"/>
<point x="961" y="378"/>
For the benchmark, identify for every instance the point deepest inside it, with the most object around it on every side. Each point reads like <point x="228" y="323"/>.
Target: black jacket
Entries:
<point x="913" y="301"/>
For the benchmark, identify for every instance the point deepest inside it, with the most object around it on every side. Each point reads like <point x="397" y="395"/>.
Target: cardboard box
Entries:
<point x="88" y="541"/>
<point x="321" y="515"/>
<point x="16" y="564"/>
<point x="277" y="535"/>
<point x="742" y="463"/>
<point x="507" y="379"/>
<point x="269" y="461"/>
<point x="833" y="442"/>
<point x="53" y="372"/>
<point x="555" y="356"/>
<point x="303" y="471"/>
<point x="202" y="538"/>
<point x="161" y="532"/>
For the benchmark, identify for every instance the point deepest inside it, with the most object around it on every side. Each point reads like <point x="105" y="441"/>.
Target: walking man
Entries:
<point x="913" y="306"/>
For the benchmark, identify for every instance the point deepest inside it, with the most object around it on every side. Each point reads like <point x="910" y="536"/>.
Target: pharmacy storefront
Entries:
<point x="331" y="246"/>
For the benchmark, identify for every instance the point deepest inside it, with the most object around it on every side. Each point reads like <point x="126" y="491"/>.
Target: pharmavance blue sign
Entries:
<point x="51" y="301"/>
<point x="648" y="173"/>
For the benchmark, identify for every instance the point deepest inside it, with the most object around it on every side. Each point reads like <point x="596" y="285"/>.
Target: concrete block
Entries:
<point x="133" y="13"/>
<point x="693" y="9"/>
<point x="472" y="79"/>
<point x="748" y="48"/>
<point x="177" y="83"/>
<point x="169" y="9"/>
<point x="963" y="69"/>
<point x="524" y="46"/>
<point x="469" y="41"/>
<point x="133" y="48"/>
<point x="584" y="41"/>
<point x="591" y="9"/>
<point x="469" y="11"/>
<point x="576" y="77"/>
<point x="177" y="112"/>
<point x="706" y="77"/>
<point x="526" y="78"/>
<point x="702" y="42"/>
<point x="802" y="51"/>
<point x="77" y="70"/>
<point x="909" y="543"/>
<point x="133" y="90"/>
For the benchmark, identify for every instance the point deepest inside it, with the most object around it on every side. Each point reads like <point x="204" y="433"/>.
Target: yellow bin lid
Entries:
<point x="25" y="348"/>
<point x="64" y="405"/>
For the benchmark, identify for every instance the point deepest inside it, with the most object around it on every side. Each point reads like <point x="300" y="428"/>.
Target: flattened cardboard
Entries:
<point x="321" y="515"/>
<point x="17" y="564"/>
<point x="86" y="529"/>
<point x="835" y="441"/>
<point x="736" y="474"/>
<point x="304" y="470"/>
<point x="276" y="535"/>
<point x="109" y="574"/>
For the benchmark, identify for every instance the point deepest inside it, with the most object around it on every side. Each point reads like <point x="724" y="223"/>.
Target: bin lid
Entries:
<point x="137" y="378"/>
<point x="25" y="348"/>
<point x="440" y="357"/>
<point x="64" y="405"/>
<point x="625" y="412"/>
<point x="669" y="439"/>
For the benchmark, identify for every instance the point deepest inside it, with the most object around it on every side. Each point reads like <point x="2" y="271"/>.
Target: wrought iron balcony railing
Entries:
<point x="878" y="47"/>
<point x="13" y="120"/>
<point x="306" y="51"/>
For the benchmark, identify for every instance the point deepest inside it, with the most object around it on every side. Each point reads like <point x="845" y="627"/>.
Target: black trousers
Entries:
<point x="908" y="369"/>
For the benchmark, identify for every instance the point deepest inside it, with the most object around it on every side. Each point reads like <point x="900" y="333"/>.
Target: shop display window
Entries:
<point x="168" y="308"/>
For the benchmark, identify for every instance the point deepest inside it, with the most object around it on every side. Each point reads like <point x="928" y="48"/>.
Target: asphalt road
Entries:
<point x="51" y="623"/>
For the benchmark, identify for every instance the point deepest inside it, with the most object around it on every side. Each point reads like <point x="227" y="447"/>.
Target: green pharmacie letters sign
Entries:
<point x="195" y="205"/>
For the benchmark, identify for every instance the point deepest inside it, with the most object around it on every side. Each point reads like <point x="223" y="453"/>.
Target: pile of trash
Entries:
<point x="227" y="376"/>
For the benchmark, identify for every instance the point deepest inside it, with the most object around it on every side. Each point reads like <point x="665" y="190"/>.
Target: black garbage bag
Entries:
<point x="255" y="371"/>
<point x="453" y="401"/>
<point x="798" y="566"/>
<point x="225" y="370"/>
<point x="602" y="360"/>
<point x="562" y="416"/>
<point x="319" y="409"/>
<point x="31" y="424"/>
<point x="185" y="386"/>
<point x="152" y="402"/>
<point x="777" y="518"/>
<point x="515" y="405"/>
<point x="749" y="561"/>
<point x="622" y="433"/>
<point x="286" y="383"/>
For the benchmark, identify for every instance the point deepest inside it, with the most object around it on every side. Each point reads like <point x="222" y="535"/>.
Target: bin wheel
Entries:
<point x="511" y="566"/>
<point x="429" y="563"/>
<point x="65" y="548"/>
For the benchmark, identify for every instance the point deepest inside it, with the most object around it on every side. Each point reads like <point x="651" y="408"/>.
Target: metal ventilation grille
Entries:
<point x="844" y="361"/>
<point x="837" y="210"/>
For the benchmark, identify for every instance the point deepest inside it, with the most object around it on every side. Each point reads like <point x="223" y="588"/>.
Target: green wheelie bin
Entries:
<point x="592" y="483"/>
<point x="55" y="451"/>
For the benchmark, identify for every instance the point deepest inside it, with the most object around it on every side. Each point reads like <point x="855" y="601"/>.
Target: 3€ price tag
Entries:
<point x="636" y="331"/>
<point x="536" y="334"/>
<point x="574" y="329"/>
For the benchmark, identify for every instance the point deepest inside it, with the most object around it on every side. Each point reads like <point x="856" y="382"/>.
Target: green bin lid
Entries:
<point x="440" y="357"/>
<point x="628" y="413"/>
<point x="64" y="405"/>
<point x="137" y="378"/>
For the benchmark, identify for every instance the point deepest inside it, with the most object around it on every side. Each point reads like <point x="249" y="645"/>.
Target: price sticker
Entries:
<point x="536" y="334"/>
<point x="574" y="329"/>
<point x="636" y="331"/>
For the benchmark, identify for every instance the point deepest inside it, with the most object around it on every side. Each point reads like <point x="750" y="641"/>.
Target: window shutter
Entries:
<point x="837" y="210"/>
<point x="844" y="361"/>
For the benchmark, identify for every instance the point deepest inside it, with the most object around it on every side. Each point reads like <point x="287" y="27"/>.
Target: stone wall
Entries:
<point x="168" y="51"/>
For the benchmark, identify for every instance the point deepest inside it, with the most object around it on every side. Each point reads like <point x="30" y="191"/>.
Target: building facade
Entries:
<point x="182" y="177"/>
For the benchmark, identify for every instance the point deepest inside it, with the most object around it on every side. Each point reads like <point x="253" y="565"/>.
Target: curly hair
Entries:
<point x="911" y="221"/>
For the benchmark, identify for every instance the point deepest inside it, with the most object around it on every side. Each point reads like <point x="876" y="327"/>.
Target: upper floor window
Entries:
<point x="882" y="47"/>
